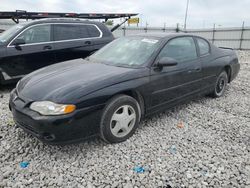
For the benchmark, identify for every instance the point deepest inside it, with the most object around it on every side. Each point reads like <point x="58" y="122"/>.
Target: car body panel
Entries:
<point x="64" y="80"/>
<point x="80" y="123"/>
<point x="27" y="59"/>
<point x="172" y="83"/>
<point x="90" y="86"/>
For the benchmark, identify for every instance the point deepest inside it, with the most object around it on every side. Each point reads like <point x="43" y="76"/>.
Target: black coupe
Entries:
<point x="109" y="93"/>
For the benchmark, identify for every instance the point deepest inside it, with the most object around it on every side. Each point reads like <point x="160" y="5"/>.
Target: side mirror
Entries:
<point x="166" y="62"/>
<point x="18" y="42"/>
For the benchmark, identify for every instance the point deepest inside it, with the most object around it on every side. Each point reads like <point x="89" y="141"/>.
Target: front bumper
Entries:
<point x="81" y="124"/>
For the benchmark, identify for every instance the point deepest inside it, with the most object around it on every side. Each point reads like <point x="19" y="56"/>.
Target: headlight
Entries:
<point x="50" y="108"/>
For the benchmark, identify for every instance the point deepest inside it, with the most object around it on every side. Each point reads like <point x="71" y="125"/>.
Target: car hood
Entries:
<point x="71" y="80"/>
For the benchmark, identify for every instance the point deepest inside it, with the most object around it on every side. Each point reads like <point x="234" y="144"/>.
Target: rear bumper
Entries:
<point x="235" y="71"/>
<point x="81" y="124"/>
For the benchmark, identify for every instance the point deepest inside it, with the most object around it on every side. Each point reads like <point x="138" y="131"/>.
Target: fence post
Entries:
<point x="241" y="35"/>
<point x="146" y="28"/>
<point x="177" y="28"/>
<point x="213" y="34"/>
<point x="124" y="30"/>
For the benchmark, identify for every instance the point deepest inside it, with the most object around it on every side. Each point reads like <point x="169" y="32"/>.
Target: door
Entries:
<point x="34" y="51"/>
<point x="208" y="65"/>
<point x="72" y="41"/>
<point x="175" y="83"/>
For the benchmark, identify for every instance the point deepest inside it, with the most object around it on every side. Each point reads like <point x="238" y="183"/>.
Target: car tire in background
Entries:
<point x="120" y="119"/>
<point x="220" y="85"/>
<point x="1" y="78"/>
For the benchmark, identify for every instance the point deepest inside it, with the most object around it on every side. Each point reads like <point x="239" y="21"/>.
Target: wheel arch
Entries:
<point x="228" y="70"/>
<point x="137" y="96"/>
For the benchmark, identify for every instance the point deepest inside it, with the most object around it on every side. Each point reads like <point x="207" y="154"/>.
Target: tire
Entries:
<point x="120" y="119"/>
<point x="220" y="85"/>
<point x="1" y="78"/>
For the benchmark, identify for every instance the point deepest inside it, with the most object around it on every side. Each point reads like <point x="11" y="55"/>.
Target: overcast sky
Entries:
<point x="202" y="13"/>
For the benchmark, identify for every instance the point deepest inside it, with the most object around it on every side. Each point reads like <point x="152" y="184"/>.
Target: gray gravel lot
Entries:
<point x="211" y="150"/>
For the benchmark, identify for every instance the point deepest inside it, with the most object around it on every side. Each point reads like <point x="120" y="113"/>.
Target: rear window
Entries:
<point x="203" y="46"/>
<point x="93" y="31"/>
<point x="70" y="31"/>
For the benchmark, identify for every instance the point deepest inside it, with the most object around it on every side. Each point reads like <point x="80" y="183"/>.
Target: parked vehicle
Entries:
<point x="29" y="46"/>
<point x="109" y="93"/>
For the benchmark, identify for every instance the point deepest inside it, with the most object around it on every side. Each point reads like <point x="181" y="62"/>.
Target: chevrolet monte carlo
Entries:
<point x="108" y="93"/>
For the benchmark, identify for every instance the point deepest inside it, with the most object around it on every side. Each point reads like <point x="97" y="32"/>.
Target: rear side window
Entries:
<point x="93" y="31"/>
<point x="70" y="32"/>
<point x="203" y="46"/>
<point x="36" y="34"/>
<point x="181" y="49"/>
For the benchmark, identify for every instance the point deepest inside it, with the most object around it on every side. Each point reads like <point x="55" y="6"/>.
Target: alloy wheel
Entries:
<point x="123" y="120"/>
<point x="220" y="86"/>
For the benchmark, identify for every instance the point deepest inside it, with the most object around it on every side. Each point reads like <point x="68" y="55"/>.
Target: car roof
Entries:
<point x="61" y="20"/>
<point x="162" y="35"/>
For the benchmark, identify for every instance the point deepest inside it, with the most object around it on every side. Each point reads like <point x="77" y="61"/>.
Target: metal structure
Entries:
<point x="22" y="14"/>
<point x="186" y="13"/>
<point x="236" y="38"/>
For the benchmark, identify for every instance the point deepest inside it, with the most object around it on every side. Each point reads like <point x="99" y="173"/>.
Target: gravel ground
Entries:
<point x="210" y="148"/>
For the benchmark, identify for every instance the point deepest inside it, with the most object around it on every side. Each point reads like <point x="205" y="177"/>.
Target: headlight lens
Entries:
<point x="50" y="108"/>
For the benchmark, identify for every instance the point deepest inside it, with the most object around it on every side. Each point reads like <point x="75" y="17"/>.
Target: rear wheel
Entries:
<point x="220" y="85"/>
<point x="120" y="119"/>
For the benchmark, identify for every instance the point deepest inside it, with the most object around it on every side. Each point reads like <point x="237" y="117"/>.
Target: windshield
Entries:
<point x="126" y="51"/>
<point x="6" y="35"/>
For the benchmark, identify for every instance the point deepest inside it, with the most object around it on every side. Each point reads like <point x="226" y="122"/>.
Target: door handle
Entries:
<point x="198" y="69"/>
<point x="47" y="47"/>
<point x="87" y="42"/>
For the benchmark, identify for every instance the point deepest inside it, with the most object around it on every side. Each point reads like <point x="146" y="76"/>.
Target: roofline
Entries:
<point x="163" y="35"/>
<point x="61" y="20"/>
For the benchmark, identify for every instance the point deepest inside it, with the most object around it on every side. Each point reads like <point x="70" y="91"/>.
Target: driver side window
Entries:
<point x="36" y="34"/>
<point x="181" y="49"/>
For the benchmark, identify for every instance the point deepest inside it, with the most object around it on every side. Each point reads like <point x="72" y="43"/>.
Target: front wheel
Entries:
<point x="120" y="119"/>
<point x="220" y="85"/>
